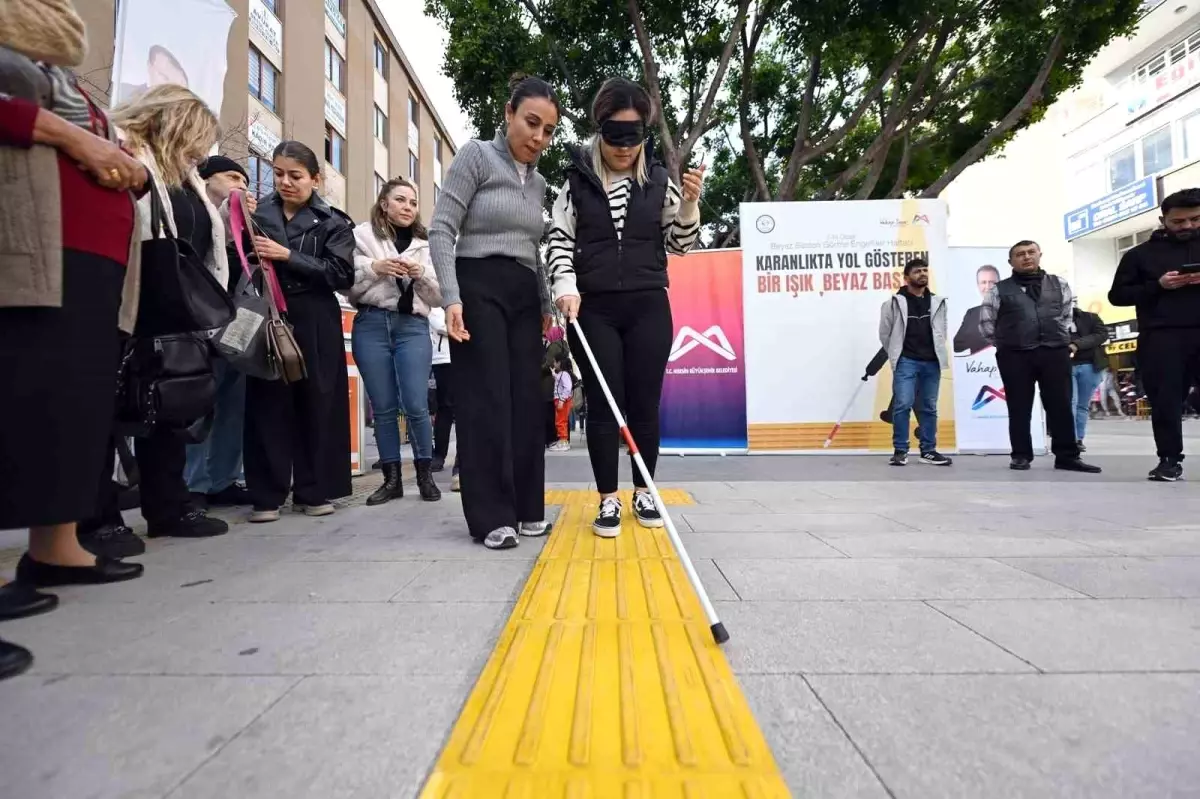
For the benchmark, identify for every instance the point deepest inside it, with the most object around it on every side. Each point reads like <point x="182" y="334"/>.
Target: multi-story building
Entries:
<point x="329" y="73"/>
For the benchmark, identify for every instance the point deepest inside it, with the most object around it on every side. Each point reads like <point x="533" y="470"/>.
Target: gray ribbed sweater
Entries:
<point x="485" y="210"/>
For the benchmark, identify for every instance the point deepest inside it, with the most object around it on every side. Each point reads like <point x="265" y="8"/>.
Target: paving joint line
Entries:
<point x="973" y="631"/>
<point x="842" y="727"/>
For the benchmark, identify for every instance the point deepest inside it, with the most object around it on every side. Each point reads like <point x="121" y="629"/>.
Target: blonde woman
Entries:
<point x="394" y="288"/>
<point x="169" y="130"/>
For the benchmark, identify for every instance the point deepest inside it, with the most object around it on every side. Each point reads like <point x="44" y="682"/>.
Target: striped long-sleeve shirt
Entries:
<point x="680" y="227"/>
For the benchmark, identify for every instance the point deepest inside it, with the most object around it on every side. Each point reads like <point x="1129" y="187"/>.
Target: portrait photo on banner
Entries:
<point x="181" y="41"/>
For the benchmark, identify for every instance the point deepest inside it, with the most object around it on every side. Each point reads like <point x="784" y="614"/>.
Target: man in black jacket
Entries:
<point x="1088" y="337"/>
<point x="1028" y="319"/>
<point x="1161" y="277"/>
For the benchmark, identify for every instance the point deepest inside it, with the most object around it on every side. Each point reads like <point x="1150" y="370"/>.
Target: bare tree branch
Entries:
<point x="572" y="85"/>
<point x="735" y="31"/>
<point x="902" y="172"/>
<point x="1010" y="120"/>
<point x="650" y="71"/>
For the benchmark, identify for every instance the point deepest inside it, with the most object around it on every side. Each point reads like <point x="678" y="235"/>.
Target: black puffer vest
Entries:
<point x="1022" y="324"/>
<point x="638" y="259"/>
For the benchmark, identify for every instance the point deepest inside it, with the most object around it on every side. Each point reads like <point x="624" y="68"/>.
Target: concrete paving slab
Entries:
<point x="1148" y="543"/>
<point x="120" y="737"/>
<point x="929" y="578"/>
<point x="816" y="757"/>
<point x="379" y="638"/>
<point x="714" y="582"/>
<point x="337" y="738"/>
<point x="1090" y="635"/>
<point x="792" y="522"/>
<point x="292" y="581"/>
<point x="420" y="547"/>
<point x="1095" y="736"/>
<point x="475" y="581"/>
<point x="855" y="638"/>
<point x="757" y="545"/>
<point x="973" y="544"/>
<point x="1061" y="522"/>
<point x="1119" y="577"/>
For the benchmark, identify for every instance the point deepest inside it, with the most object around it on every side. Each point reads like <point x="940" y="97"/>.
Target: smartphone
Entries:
<point x="1189" y="269"/>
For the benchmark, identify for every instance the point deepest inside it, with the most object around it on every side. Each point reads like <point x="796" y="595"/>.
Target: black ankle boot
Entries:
<point x="429" y="490"/>
<point x="391" y="489"/>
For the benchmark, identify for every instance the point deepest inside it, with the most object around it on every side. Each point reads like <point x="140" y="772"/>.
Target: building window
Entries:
<point x="335" y="149"/>
<point x="380" y="181"/>
<point x="262" y="176"/>
<point x="1127" y="243"/>
<point x="335" y="68"/>
<point x="414" y="124"/>
<point x="336" y="11"/>
<point x="437" y="159"/>
<point x="414" y="168"/>
<point x="264" y="79"/>
<point x="381" y="59"/>
<point x="381" y="125"/>
<point x="1191" y="137"/>
<point x="1156" y="151"/>
<point x="1122" y="168"/>
<point x="1169" y="57"/>
<point x="273" y="5"/>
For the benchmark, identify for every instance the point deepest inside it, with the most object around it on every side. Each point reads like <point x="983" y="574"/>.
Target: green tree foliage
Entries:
<point x="792" y="99"/>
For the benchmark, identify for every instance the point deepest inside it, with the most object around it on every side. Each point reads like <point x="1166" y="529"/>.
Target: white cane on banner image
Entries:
<point x="720" y="635"/>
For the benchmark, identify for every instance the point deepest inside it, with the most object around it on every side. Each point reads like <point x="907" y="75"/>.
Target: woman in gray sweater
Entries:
<point x="484" y="240"/>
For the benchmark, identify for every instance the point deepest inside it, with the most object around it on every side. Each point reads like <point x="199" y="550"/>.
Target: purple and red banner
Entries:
<point x="704" y="393"/>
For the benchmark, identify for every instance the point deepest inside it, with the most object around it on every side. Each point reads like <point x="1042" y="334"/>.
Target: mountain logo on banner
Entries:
<point x="714" y="339"/>
<point x="986" y="395"/>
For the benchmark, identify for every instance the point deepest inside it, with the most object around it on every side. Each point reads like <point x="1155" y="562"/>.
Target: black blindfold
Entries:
<point x="623" y="134"/>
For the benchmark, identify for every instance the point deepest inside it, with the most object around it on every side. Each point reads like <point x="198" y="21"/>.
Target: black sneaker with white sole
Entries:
<point x="899" y="458"/>
<point x="934" y="458"/>
<point x="608" y="520"/>
<point x="644" y="510"/>
<point x="1167" y="471"/>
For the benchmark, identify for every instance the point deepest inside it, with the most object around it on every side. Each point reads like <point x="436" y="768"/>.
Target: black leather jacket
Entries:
<point x="321" y="239"/>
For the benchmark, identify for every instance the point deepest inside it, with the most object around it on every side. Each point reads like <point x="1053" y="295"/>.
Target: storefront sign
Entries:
<point x="266" y="25"/>
<point x="1158" y="89"/>
<point x="1130" y="201"/>
<point x="263" y="140"/>
<point x="334" y="12"/>
<point x="1121" y="346"/>
<point x="335" y="109"/>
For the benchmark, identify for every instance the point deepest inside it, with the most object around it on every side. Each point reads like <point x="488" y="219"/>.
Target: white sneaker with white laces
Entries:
<point x="644" y="510"/>
<point x="608" y="520"/>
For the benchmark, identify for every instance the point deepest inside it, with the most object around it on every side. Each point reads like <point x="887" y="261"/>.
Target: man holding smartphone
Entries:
<point x="1161" y="277"/>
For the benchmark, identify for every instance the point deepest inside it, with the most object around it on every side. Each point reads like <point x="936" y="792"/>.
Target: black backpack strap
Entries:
<point x="128" y="462"/>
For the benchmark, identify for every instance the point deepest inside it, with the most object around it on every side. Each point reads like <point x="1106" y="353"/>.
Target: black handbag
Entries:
<point x="178" y="293"/>
<point x="165" y="382"/>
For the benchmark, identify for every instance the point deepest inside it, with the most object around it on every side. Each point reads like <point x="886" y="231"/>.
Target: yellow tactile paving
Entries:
<point x="606" y="683"/>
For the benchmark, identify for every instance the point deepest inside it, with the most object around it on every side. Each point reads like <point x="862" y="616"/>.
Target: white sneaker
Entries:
<point x="559" y="446"/>
<point x="325" y="509"/>
<point x="533" y="529"/>
<point x="502" y="538"/>
<point x="264" y="516"/>
<point x="608" y="520"/>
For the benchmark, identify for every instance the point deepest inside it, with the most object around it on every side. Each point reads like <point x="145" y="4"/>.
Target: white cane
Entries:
<point x="720" y="635"/>
<point x="838" y="425"/>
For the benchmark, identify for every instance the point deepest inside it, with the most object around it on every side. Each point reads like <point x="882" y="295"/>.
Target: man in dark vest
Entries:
<point x="1028" y="319"/>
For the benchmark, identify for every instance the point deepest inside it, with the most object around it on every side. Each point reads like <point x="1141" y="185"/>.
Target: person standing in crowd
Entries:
<point x="214" y="466"/>
<point x="484" y="237"/>
<point x="968" y="340"/>
<point x="1088" y="337"/>
<point x="563" y="390"/>
<point x="554" y="349"/>
<point x="912" y="328"/>
<point x="1027" y="318"/>
<point x="169" y="129"/>
<point x="615" y="220"/>
<point x="1161" y="277"/>
<point x="443" y="422"/>
<point x="69" y="275"/>
<point x="1109" y="392"/>
<point x="297" y="436"/>
<point x="394" y="287"/>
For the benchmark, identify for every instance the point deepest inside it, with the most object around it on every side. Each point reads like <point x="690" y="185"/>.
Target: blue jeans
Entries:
<point x="1082" y="388"/>
<point x="915" y="386"/>
<point x="394" y="353"/>
<point x="216" y="464"/>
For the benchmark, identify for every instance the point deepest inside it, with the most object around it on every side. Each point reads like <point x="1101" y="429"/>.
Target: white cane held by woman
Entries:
<point x="720" y="635"/>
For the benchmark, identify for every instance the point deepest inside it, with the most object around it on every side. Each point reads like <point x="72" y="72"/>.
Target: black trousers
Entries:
<point x="164" y="496"/>
<point x="298" y="436"/>
<point x="1049" y="369"/>
<point x="1169" y="360"/>
<point x="497" y="395"/>
<point x="443" y="420"/>
<point x="630" y="334"/>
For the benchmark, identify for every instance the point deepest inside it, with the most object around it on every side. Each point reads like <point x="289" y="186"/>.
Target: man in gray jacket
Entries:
<point x="912" y="328"/>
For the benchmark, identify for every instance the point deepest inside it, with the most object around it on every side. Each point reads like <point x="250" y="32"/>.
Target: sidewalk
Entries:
<point x="911" y="633"/>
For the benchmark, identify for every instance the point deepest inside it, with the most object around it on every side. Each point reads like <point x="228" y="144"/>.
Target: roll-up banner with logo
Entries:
<point x="704" y="392"/>
<point x="981" y="408"/>
<point x="183" y="42"/>
<point x="815" y="277"/>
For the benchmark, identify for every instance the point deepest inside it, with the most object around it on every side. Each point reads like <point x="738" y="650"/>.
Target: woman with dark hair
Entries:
<point x="297" y="436"/>
<point x="394" y="287"/>
<point x="614" y="222"/>
<point x="484" y="238"/>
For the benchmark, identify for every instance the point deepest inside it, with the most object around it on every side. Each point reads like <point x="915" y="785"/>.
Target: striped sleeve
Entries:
<point x="680" y="221"/>
<point x="560" y="249"/>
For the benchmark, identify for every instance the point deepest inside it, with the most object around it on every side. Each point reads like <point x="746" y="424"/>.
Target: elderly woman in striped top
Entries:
<point x="614" y="222"/>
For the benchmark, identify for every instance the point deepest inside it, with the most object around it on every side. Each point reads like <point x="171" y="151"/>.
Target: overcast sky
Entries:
<point x="423" y="40"/>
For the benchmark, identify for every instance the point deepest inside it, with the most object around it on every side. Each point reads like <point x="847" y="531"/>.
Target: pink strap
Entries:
<point x="238" y="217"/>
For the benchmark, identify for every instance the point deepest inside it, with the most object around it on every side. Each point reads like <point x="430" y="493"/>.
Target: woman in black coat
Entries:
<point x="298" y="436"/>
